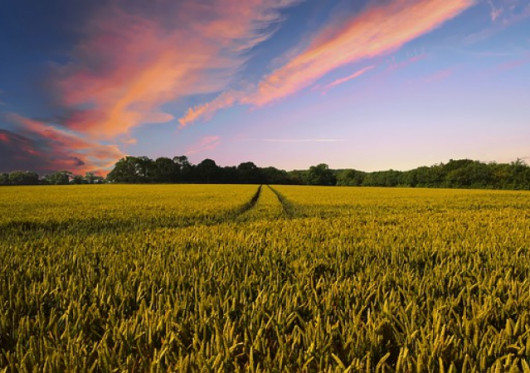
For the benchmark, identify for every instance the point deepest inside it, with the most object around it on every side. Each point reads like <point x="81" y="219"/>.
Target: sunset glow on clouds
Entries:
<point x="62" y="150"/>
<point x="349" y="77"/>
<point x="137" y="78"/>
<point x="128" y="65"/>
<point x="376" y="30"/>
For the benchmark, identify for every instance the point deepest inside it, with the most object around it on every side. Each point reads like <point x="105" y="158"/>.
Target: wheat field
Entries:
<point x="224" y="278"/>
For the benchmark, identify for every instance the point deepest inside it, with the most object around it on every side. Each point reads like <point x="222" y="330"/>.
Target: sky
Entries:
<point x="370" y="85"/>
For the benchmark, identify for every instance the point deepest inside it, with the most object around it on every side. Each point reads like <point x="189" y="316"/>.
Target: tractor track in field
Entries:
<point x="90" y="227"/>
<point x="289" y="210"/>
<point x="288" y="207"/>
<point x="249" y="205"/>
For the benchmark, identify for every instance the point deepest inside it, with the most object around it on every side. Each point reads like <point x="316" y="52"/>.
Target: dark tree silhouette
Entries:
<point x="462" y="173"/>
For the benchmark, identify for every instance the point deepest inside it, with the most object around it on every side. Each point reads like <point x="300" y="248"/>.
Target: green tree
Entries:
<point x="272" y="175"/>
<point x="165" y="170"/>
<point x="184" y="168"/>
<point x="321" y="175"/>
<point x="90" y="177"/>
<point x="125" y="171"/>
<point x="23" y="178"/>
<point x="466" y="173"/>
<point x="145" y="169"/>
<point x="207" y="171"/>
<point x="249" y="173"/>
<point x="4" y="178"/>
<point x="59" y="178"/>
<point x="350" y="178"/>
<point x="78" y="179"/>
<point x="520" y="174"/>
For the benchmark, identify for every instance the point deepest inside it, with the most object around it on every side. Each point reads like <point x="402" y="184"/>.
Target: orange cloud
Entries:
<point x="379" y="29"/>
<point x="349" y="77"/>
<point x="65" y="149"/>
<point x="128" y="64"/>
<point x="206" y="111"/>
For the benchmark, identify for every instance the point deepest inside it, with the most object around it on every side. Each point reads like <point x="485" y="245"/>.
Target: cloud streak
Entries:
<point x="204" y="144"/>
<point x="131" y="60"/>
<point x="379" y="29"/>
<point x="52" y="149"/>
<point x="376" y="31"/>
<point x="207" y="110"/>
<point x="503" y="14"/>
<point x="128" y="64"/>
<point x="349" y="77"/>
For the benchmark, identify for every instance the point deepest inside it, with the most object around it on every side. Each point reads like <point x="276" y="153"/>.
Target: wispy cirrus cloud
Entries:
<point x="128" y="64"/>
<point x="495" y="11"/>
<point x="356" y="74"/>
<point x="130" y="60"/>
<point x="503" y="14"/>
<point x="207" y="110"/>
<point x="206" y="143"/>
<point x="508" y="11"/>
<point x="379" y="29"/>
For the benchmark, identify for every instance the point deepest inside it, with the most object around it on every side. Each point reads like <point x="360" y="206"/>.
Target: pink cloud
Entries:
<point x="204" y="144"/>
<point x="379" y="29"/>
<point x="503" y="14"/>
<point x="495" y="11"/>
<point x="129" y="141"/>
<point x="508" y="11"/>
<point x="206" y="111"/>
<point x="128" y="64"/>
<point x="65" y="149"/>
<point x="375" y="31"/>
<point x="349" y="77"/>
<point x="509" y="65"/>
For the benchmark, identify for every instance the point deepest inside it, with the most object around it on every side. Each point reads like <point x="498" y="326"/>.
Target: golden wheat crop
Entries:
<point x="242" y="278"/>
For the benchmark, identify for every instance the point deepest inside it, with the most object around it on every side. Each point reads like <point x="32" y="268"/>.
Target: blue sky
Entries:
<point x="287" y="83"/>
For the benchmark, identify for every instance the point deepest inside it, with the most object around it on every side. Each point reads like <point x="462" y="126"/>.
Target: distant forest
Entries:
<point x="462" y="173"/>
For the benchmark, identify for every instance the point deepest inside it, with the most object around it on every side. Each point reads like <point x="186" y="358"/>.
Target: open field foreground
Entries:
<point x="248" y="278"/>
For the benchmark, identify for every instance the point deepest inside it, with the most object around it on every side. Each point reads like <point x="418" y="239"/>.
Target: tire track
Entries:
<point x="288" y="208"/>
<point x="249" y="205"/>
<point x="117" y="226"/>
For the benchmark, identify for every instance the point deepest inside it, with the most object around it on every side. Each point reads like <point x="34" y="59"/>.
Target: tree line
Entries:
<point x="55" y="178"/>
<point x="462" y="173"/>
